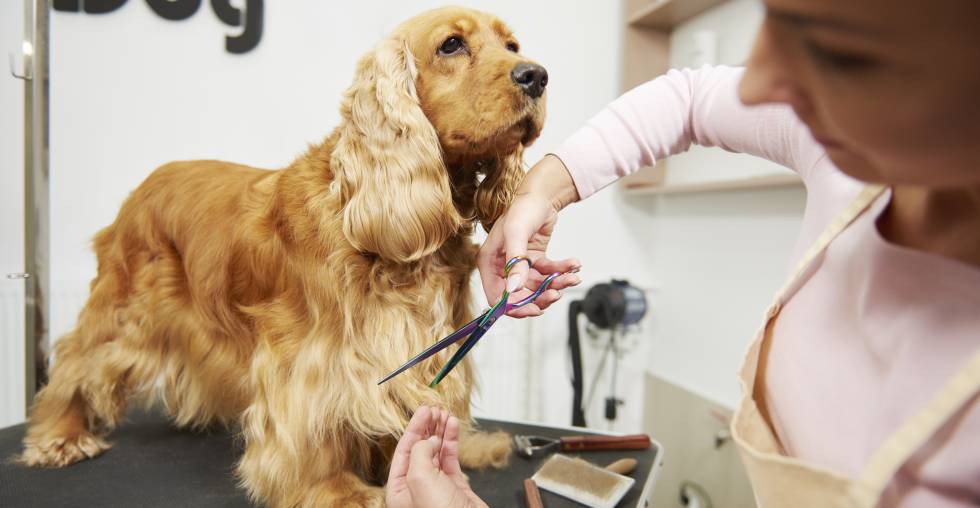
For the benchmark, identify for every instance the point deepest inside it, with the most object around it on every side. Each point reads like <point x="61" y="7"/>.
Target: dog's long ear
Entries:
<point x="498" y="188"/>
<point x="388" y="161"/>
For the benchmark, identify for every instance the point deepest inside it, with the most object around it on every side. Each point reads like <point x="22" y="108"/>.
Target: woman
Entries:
<point x="862" y="388"/>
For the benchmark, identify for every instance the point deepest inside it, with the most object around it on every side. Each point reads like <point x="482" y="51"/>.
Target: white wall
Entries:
<point x="11" y="219"/>
<point x="720" y="256"/>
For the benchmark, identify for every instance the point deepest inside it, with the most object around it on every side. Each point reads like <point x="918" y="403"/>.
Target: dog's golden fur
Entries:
<point x="275" y="300"/>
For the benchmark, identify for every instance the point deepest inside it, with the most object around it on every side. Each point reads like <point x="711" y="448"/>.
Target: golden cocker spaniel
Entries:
<point x="275" y="300"/>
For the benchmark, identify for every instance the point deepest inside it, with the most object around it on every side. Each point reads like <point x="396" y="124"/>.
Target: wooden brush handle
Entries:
<point x="587" y="443"/>
<point x="533" y="494"/>
<point x="622" y="466"/>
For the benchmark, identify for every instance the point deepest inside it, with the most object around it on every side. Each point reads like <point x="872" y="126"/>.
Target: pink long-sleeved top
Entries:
<point x="875" y="329"/>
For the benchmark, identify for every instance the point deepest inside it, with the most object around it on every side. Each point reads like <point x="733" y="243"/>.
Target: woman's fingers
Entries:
<point x="416" y="430"/>
<point x="418" y="426"/>
<point x="429" y="485"/>
<point x="547" y="298"/>
<point x="450" y="448"/>
<point x="539" y="305"/>
<point x="442" y="416"/>
<point x="490" y="264"/>
<point x="535" y="278"/>
<point x="526" y="216"/>
<point x="529" y="310"/>
<point x="517" y="277"/>
<point x="547" y="266"/>
<point x="439" y="417"/>
<point x="420" y="468"/>
<point x="562" y="281"/>
<point x="565" y="281"/>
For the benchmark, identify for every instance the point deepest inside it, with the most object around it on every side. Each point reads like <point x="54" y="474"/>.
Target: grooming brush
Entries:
<point x="533" y="495"/>
<point x="582" y="482"/>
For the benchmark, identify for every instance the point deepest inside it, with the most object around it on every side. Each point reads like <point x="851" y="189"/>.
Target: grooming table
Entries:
<point x="154" y="465"/>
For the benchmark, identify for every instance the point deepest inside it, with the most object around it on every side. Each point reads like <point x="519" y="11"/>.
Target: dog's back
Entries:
<point x="165" y="300"/>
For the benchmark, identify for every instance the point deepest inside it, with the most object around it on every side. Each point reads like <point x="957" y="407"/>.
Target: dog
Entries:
<point x="273" y="300"/>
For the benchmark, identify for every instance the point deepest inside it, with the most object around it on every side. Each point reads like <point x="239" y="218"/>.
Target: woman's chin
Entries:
<point x="855" y="166"/>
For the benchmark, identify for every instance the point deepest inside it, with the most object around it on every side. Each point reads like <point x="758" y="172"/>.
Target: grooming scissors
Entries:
<point x="475" y="329"/>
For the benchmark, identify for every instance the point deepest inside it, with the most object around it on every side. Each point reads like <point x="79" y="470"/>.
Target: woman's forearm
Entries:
<point x="666" y="115"/>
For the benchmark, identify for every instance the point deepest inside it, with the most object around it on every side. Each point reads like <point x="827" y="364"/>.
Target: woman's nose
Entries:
<point x="767" y="77"/>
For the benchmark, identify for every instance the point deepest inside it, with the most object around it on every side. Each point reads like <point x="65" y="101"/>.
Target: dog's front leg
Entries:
<point x="292" y="458"/>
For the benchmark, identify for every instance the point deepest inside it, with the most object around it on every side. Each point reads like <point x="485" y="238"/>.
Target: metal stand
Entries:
<point x="37" y="281"/>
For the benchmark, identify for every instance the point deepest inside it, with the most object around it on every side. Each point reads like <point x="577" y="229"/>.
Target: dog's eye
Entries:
<point x="451" y="46"/>
<point x="512" y="46"/>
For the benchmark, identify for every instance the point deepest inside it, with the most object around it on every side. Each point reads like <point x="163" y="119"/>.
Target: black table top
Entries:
<point x="152" y="464"/>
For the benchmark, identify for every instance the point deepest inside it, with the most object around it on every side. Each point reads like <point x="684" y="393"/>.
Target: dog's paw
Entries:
<point x="62" y="451"/>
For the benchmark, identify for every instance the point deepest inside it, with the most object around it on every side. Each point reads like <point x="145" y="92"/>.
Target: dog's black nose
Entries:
<point x="532" y="78"/>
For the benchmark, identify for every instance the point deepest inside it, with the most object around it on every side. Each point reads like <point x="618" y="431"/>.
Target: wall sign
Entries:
<point x="249" y="18"/>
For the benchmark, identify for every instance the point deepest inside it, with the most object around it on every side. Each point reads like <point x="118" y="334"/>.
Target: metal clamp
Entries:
<point x="26" y="75"/>
<point x="14" y="276"/>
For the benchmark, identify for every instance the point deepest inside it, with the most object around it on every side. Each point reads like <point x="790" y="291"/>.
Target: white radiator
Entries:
<point x="11" y="353"/>
<point x="65" y="305"/>
<point x="503" y="367"/>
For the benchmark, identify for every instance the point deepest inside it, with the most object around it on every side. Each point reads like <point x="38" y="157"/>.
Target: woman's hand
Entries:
<point x="525" y="230"/>
<point x="425" y="468"/>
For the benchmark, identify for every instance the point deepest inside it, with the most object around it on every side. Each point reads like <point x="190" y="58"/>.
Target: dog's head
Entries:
<point x="433" y="133"/>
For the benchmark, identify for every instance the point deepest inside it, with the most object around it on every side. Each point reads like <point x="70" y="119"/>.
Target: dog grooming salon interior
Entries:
<point x="669" y="253"/>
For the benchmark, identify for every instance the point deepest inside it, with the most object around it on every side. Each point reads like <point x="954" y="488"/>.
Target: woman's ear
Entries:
<point x="498" y="188"/>
<point x="388" y="161"/>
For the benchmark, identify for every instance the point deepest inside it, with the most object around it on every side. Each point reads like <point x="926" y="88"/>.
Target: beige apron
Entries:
<point x="779" y="480"/>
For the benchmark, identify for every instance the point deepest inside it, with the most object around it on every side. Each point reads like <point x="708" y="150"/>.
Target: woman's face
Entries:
<point x="891" y="88"/>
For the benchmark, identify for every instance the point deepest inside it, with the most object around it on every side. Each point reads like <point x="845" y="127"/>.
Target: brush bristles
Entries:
<point x="582" y="482"/>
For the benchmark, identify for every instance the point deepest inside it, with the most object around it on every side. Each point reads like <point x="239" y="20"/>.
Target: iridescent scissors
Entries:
<point x="475" y="329"/>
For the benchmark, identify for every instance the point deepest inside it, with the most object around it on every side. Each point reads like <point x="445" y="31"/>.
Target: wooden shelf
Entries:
<point x="647" y="31"/>
<point x="666" y="14"/>
<point x="758" y="182"/>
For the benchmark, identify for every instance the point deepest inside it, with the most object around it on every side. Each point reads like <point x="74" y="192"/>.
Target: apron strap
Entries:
<point x="864" y="199"/>
<point x="917" y="431"/>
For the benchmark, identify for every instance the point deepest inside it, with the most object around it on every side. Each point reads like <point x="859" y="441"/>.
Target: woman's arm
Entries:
<point x="655" y="120"/>
<point x="666" y="115"/>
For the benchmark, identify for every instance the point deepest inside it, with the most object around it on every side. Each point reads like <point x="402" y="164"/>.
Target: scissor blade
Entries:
<point x="438" y="346"/>
<point x="480" y="331"/>
<point x="460" y="353"/>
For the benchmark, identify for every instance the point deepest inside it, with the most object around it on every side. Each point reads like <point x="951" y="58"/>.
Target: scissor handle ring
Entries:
<point x="534" y="296"/>
<point x="513" y="261"/>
